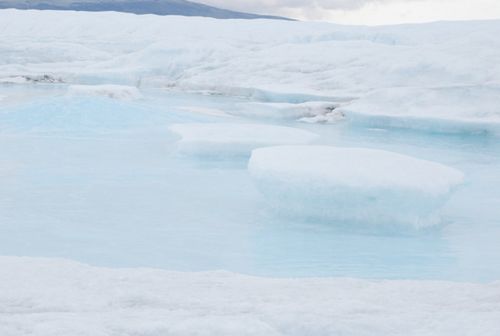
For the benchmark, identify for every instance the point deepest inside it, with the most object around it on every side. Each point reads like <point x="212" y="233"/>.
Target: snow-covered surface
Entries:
<point x="57" y="297"/>
<point x="357" y="168"/>
<point x="109" y="91"/>
<point x="352" y="183"/>
<point x="447" y="71"/>
<point x="229" y="139"/>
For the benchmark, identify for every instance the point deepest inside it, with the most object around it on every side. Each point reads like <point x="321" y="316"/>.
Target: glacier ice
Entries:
<point x="295" y="61"/>
<point x="105" y="90"/>
<point x="284" y="111"/>
<point x="353" y="184"/>
<point x="232" y="139"/>
<point x="457" y="109"/>
<point x="98" y="180"/>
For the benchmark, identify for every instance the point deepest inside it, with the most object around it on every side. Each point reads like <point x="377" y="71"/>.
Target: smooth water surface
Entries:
<point x="97" y="180"/>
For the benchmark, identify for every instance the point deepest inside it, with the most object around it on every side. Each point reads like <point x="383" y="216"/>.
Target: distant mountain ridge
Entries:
<point x="158" y="7"/>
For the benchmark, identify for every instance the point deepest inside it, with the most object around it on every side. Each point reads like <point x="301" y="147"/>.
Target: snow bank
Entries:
<point x="353" y="184"/>
<point x="229" y="139"/>
<point x="266" y="60"/>
<point x="111" y="91"/>
<point x="47" y="297"/>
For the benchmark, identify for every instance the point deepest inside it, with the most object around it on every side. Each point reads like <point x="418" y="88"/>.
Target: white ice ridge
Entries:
<point x="232" y="139"/>
<point x="106" y="90"/>
<point x="471" y="109"/>
<point x="47" y="297"/>
<point x="353" y="184"/>
<point x="277" y="61"/>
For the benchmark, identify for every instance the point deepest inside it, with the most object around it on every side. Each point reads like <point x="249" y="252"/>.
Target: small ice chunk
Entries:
<point x="221" y="139"/>
<point x="353" y="184"/>
<point x="122" y="92"/>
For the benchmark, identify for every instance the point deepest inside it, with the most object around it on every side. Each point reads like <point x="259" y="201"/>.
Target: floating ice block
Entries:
<point x="229" y="139"/>
<point x="353" y="184"/>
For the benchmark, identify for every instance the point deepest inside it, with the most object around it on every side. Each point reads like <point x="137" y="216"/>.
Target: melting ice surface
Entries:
<point x="99" y="181"/>
<point x="359" y="186"/>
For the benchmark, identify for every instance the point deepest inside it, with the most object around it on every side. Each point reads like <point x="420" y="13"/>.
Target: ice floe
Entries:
<point x="232" y="139"/>
<point x="353" y="184"/>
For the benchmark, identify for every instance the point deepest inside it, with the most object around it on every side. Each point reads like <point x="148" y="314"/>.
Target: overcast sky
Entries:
<point x="368" y="11"/>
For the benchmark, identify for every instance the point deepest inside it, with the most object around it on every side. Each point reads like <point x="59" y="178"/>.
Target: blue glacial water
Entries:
<point x="97" y="180"/>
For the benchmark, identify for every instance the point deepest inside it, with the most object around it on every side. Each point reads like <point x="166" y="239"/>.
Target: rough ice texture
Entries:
<point x="447" y="71"/>
<point x="55" y="297"/>
<point x="292" y="111"/>
<point x="223" y="139"/>
<point x="107" y="90"/>
<point x="358" y="184"/>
